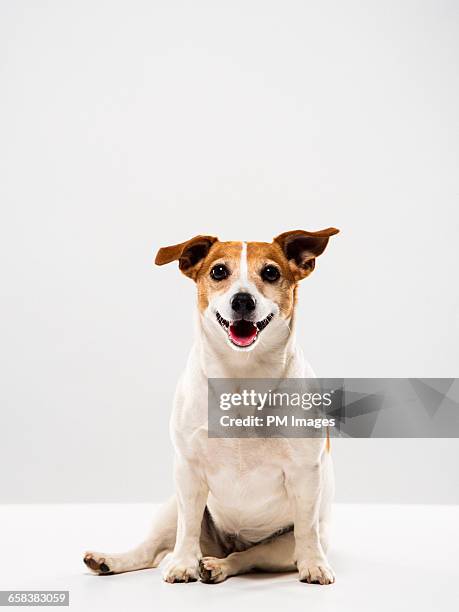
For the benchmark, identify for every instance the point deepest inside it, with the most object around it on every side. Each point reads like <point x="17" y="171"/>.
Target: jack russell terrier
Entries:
<point x="240" y="504"/>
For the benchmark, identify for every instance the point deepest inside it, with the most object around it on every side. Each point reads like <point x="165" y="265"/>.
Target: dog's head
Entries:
<point x="246" y="289"/>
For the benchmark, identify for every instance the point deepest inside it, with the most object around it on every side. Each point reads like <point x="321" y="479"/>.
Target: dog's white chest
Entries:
<point x="246" y="482"/>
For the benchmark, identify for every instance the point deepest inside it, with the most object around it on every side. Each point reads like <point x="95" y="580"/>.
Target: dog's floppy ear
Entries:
<point x="301" y="248"/>
<point x="189" y="254"/>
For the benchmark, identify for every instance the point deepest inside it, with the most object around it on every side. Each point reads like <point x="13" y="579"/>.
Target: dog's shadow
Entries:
<point x="261" y="576"/>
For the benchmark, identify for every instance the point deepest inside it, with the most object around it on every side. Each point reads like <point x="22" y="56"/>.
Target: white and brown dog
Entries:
<point x="240" y="504"/>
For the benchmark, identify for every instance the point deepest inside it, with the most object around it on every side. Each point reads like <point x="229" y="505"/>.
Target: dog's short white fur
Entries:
<point x="252" y="488"/>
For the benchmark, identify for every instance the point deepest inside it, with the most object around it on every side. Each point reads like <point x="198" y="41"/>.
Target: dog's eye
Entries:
<point x="270" y="274"/>
<point x="219" y="272"/>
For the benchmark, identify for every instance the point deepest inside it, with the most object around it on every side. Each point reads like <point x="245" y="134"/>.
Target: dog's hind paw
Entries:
<point x="212" y="570"/>
<point x="98" y="563"/>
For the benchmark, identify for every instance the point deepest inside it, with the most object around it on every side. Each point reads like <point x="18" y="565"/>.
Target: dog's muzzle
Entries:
<point x="242" y="332"/>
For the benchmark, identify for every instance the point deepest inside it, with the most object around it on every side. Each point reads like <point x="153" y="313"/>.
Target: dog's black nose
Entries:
<point x="243" y="303"/>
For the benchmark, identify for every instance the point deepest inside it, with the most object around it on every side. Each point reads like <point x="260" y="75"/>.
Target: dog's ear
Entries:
<point x="301" y="249"/>
<point x="189" y="254"/>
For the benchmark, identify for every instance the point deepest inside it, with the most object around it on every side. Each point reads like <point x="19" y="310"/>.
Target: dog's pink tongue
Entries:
<point x="242" y="335"/>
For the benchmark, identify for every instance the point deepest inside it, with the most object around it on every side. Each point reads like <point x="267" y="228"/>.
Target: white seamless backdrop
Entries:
<point x="132" y="125"/>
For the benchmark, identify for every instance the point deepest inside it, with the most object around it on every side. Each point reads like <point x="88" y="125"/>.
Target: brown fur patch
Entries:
<point x="189" y="254"/>
<point x="301" y="249"/>
<point x="282" y="291"/>
<point x="227" y="253"/>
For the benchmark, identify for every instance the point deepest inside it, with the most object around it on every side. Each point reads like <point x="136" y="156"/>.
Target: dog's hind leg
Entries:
<point x="148" y="554"/>
<point x="276" y="555"/>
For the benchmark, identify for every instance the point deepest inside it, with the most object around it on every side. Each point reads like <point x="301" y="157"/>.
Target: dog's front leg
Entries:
<point x="192" y="492"/>
<point x="303" y="483"/>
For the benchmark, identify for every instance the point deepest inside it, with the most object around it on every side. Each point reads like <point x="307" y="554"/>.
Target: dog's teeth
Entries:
<point x="262" y="324"/>
<point x="221" y="320"/>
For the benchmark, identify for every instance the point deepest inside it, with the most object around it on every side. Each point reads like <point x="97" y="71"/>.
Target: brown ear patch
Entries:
<point x="189" y="254"/>
<point x="301" y="248"/>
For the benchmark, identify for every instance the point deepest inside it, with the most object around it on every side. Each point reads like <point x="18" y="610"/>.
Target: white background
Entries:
<point x="126" y="126"/>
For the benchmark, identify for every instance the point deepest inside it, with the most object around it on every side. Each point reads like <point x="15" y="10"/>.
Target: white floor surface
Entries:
<point x="385" y="558"/>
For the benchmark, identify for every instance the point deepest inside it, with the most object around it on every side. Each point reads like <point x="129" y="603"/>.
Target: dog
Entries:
<point x="240" y="504"/>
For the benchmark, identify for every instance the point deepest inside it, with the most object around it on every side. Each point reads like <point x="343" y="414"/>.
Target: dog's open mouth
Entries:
<point x="243" y="333"/>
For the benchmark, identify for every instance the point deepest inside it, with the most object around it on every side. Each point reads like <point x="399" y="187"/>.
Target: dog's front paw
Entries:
<point x="316" y="572"/>
<point x="212" y="570"/>
<point x="180" y="570"/>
